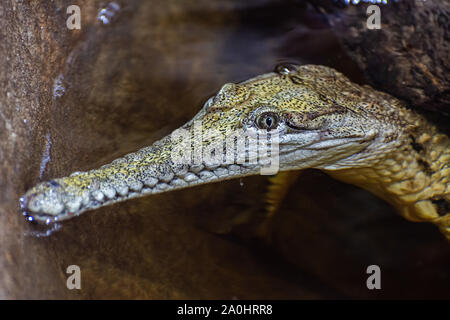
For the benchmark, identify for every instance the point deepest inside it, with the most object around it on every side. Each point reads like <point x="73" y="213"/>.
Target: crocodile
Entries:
<point x="320" y="120"/>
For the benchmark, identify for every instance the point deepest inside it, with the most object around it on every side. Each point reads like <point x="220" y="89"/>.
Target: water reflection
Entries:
<point x="109" y="13"/>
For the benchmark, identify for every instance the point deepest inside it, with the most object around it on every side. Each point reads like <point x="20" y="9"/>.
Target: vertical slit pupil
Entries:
<point x="267" y="120"/>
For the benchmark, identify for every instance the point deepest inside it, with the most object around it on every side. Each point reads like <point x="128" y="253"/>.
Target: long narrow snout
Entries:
<point x="151" y="170"/>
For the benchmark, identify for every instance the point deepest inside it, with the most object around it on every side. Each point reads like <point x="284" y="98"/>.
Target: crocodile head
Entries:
<point x="315" y="115"/>
<point x="296" y="117"/>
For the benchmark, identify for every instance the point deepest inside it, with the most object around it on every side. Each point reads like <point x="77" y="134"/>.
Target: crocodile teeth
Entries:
<point x="98" y="195"/>
<point x="221" y="172"/>
<point x="109" y="192"/>
<point x="196" y="168"/>
<point x="178" y="182"/>
<point x="234" y="168"/>
<point x="190" y="177"/>
<point x="122" y="190"/>
<point x="136" y="186"/>
<point x="205" y="175"/>
<point x="162" y="186"/>
<point x="150" y="182"/>
<point x="74" y="204"/>
<point x="167" y="177"/>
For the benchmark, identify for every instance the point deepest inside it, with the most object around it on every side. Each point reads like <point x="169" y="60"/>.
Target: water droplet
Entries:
<point x="285" y="68"/>
<point x="43" y="230"/>
<point x="25" y="120"/>
<point x="241" y="182"/>
<point x="22" y="202"/>
<point x="109" y="13"/>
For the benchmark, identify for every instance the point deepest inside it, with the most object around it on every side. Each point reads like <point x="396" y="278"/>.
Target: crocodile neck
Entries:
<point x="413" y="177"/>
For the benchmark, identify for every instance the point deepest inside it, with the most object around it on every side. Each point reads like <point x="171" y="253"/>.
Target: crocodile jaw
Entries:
<point x="356" y="134"/>
<point x="151" y="170"/>
<point x="232" y="110"/>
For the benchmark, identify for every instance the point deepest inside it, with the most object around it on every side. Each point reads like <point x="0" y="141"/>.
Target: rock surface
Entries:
<point x="408" y="56"/>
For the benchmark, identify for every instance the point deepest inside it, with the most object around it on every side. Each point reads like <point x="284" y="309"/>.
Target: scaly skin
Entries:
<point x="324" y="121"/>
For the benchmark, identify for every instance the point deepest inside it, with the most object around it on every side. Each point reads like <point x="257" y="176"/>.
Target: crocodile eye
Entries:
<point x="267" y="120"/>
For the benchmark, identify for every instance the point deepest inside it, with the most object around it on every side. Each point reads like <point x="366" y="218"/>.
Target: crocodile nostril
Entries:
<point x="53" y="183"/>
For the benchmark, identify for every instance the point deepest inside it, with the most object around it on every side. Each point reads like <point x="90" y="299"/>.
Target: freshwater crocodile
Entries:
<point x="353" y="133"/>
